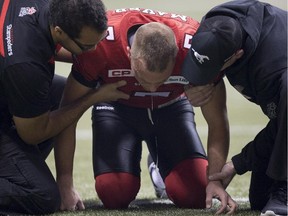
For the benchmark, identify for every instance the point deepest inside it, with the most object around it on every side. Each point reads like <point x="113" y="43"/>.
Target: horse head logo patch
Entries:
<point x="200" y="58"/>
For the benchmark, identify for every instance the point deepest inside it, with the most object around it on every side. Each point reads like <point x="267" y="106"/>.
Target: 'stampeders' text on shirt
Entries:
<point x="9" y="39"/>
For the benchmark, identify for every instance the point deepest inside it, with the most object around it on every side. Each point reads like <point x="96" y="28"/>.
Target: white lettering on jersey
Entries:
<point x="26" y="11"/>
<point x="182" y="17"/>
<point x="177" y="80"/>
<point x="110" y="33"/>
<point x="120" y="73"/>
<point x="121" y="10"/>
<point x="152" y="12"/>
<point x="9" y="39"/>
<point x="143" y="94"/>
<point x="161" y="13"/>
<point x="187" y="41"/>
<point x="104" y="108"/>
<point x="149" y="11"/>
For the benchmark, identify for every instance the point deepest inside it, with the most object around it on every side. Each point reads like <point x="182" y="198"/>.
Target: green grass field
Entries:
<point x="246" y="120"/>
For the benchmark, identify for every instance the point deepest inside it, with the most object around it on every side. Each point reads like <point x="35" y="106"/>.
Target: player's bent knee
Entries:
<point x="117" y="190"/>
<point x="43" y="202"/>
<point x="186" y="183"/>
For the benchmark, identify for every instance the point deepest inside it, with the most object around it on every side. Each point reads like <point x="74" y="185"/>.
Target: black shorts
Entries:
<point x="118" y="132"/>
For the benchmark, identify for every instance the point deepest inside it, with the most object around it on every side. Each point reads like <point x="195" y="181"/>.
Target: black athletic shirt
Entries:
<point x="27" y="57"/>
<point x="257" y="74"/>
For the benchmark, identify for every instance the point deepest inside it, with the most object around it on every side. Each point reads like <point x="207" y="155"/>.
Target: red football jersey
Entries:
<point x="109" y="61"/>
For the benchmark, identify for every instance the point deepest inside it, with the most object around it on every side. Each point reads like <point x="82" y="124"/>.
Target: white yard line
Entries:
<point x="236" y="129"/>
<point x="241" y="199"/>
<point x="86" y="134"/>
<point x="167" y="201"/>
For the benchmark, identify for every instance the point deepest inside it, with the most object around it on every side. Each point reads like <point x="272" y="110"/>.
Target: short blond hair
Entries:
<point x="155" y="44"/>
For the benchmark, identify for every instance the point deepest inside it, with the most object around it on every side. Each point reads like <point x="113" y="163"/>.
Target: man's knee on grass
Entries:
<point x="117" y="190"/>
<point x="186" y="183"/>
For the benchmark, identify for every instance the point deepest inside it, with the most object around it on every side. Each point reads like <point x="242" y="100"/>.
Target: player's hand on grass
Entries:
<point x="226" y="175"/>
<point x="199" y="95"/>
<point x="216" y="190"/>
<point x="70" y="199"/>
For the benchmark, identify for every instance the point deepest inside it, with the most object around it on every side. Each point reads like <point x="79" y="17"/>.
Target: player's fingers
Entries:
<point x="233" y="206"/>
<point x="209" y="200"/>
<point x="221" y="210"/>
<point x="72" y="208"/>
<point x="203" y="88"/>
<point x="203" y="102"/>
<point x="207" y="90"/>
<point x="124" y="96"/>
<point x="199" y="101"/>
<point x="120" y="83"/>
<point x="80" y="205"/>
<point x="199" y="95"/>
<point x="224" y="201"/>
<point x="121" y="94"/>
<point x="66" y="207"/>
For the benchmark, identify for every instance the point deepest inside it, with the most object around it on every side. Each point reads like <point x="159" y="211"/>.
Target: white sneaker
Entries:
<point x="269" y="213"/>
<point x="277" y="203"/>
<point x="156" y="179"/>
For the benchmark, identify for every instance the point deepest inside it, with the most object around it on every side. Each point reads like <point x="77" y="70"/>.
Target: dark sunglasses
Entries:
<point x="82" y="46"/>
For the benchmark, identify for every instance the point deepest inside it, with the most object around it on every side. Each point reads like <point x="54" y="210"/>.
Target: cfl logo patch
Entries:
<point x="27" y="11"/>
<point x="120" y="73"/>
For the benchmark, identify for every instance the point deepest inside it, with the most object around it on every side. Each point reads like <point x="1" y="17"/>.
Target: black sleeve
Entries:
<point x="81" y="79"/>
<point x="26" y="88"/>
<point x="242" y="161"/>
<point x="75" y="71"/>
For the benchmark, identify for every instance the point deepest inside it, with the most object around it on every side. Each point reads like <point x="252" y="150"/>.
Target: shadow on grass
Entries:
<point x="135" y="205"/>
<point x="149" y="207"/>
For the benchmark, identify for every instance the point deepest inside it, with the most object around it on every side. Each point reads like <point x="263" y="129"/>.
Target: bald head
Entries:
<point x="154" y="43"/>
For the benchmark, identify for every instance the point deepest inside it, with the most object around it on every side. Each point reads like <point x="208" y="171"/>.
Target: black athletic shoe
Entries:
<point x="277" y="204"/>
<point x="156" y="179"/>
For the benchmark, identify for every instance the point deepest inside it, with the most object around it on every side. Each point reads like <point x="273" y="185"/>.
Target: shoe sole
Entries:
<point x="269" y="213"/>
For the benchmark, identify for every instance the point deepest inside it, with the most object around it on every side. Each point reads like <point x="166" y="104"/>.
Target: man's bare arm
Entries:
<point x="40" y="128"/>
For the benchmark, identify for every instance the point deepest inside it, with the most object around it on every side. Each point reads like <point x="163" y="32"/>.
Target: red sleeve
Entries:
<point x="58" y="47"/>
<point x="87" y="67"/>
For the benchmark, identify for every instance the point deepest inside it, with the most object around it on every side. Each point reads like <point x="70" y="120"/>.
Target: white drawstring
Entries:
<point x="150" y="116"/>
<point x="156" y="144"/>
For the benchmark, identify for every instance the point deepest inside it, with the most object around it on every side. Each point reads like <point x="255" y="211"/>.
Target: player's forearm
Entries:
<point x="217" y="156"/>
<point x="215" y="114"/>
<point x="218" y="145"/>
<point x="64" y="154"/>
<point x="48" y="125"/>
